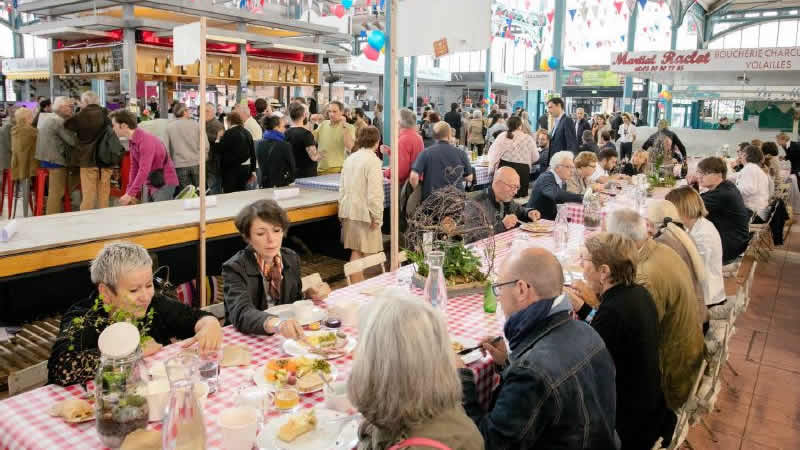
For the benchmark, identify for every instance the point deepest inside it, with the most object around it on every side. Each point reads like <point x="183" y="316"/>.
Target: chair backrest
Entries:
<point x="359" y="265"/>
<point x="311" y="281"/>
<point x="685" y="412"/>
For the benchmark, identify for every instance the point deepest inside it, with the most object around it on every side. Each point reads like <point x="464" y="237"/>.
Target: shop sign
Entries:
<point x="534" y="81"/>
<point x="14" y="65"/>
<point x="723" y="60"/>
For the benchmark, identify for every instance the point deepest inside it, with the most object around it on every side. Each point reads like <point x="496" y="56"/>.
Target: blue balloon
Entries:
<point x="553" y="62"/>
<point x="363" y="33"/>
<point x="376" y="39"/>
<point x="347" y="3"/>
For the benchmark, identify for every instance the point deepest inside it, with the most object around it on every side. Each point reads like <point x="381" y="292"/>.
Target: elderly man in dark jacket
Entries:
<point x="550" y="189"/>
<point x="497" y="202"/>
<point x="557" y="388"/>
<point x="90" y="124"/>
<point x="53" y="148"/>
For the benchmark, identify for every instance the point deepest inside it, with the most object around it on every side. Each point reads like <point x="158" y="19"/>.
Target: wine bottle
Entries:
<point x="231" y="73"/>
<point x="168" y="66"/>
<point x="280" y="74"/>
<point x="221" y="69"/>
<point x="197" y="67"/>
<point x="66" y="66"/>
<point x="294" y="75"/>
<point x="89" y="64"/>
<point x="155" y="65"/>
<point x="210" y="70"/>
<point x="97" y="66"/>
<point x="78" y="68"/>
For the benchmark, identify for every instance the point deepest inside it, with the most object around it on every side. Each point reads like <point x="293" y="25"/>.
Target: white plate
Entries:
<point x="323" y="436"/>
<point x="471" y="357"/>
<point x="261" y="381"/>
<point x="287" y="312"/>
<point x="294" y="348"/>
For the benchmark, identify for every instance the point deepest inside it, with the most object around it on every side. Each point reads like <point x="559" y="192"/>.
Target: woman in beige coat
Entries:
<point x="23" y="149"/>
<point x="361" y="198"/>
<point x="475" y="128"/>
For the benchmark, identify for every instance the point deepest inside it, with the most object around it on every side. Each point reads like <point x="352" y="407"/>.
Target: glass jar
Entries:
<point x="435" y="284"/>
<point x="120" y="409"/>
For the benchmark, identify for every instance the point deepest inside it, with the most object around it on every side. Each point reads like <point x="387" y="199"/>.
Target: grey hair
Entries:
<point x="90" y="98"/>
<point x="211" y="104"/>
<point x="560" y="157"/>
<point x="385" y="385"/>
<point x="477" y="114"/>
<point x="407" y="118"/>
<point x="628" y="223"/>
<point x="116" y="259"/>
<point x="60" y="101"/>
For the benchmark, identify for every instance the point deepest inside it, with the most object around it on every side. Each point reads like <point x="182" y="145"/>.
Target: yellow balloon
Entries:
<point x="383" y="50"/>
<point x="543" y="65"/>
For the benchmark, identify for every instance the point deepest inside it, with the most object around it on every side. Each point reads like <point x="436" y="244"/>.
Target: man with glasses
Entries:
<point x="550" y="189"/>
<point x="557" y="387"/>
<point x="497" y="202"/>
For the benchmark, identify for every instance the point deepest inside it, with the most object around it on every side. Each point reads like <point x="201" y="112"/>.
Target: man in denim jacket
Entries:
<point x="557" y="389"/>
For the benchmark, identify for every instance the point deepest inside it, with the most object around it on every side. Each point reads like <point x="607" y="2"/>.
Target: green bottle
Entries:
<point x="489" y="300"/>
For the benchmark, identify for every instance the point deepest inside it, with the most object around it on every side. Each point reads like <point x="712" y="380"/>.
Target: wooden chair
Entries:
<point x="359" y="265"/>
<point x="686" y="411"/>
<point x="311" y="281"/>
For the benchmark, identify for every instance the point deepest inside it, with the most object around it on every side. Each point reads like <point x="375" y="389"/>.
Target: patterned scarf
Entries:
<point x="273" y="275"/>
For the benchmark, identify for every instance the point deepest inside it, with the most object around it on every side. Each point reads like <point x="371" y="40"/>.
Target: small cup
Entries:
<point x="337" y="399"/>
<point x="304" y="311"/>
<point x="238" y="426"/>
<point x="286" y="399"/>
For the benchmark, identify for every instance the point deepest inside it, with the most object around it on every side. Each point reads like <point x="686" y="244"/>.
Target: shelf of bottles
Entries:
<point x="94" y="62"/>
<point x="156" y="63"/>
<point x="271" y="71"/>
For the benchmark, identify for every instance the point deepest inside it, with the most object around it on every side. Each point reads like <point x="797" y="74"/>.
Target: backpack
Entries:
<point x="109" y="149"/>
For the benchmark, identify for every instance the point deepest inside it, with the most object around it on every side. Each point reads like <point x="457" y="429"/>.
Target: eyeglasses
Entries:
<point x="514" y="187"/>
<point x="496" y="287"/>
<point x="566" y="166"/>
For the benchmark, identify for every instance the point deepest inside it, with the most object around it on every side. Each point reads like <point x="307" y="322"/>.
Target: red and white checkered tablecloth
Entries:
<point x="26" y="424"/>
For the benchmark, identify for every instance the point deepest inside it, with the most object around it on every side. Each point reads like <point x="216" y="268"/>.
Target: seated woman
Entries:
<point x="754" y="184"/>
<point x="638" y="163"/>
<point x="123" y="274"/>
<point x="627" y="320"/>
<point x="385" y="387"/>
<point x="585" y="165"/>
<point x="262" y="275"/>
<point x="705" y="236"/>
<point x="664" y="225"/>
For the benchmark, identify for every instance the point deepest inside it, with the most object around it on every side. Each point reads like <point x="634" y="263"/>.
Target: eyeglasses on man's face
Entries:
<point x="513" y="187"/>
<point x="497" y="287"/>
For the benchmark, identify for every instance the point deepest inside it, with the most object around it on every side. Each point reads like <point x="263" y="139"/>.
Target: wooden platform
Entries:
<point x="26" y="352"/>
<point x="52" y="241"/>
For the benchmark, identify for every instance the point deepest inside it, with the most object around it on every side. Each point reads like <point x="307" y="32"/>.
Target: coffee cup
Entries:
<point x="238" y="426"/>
<point x="304" y="311"/>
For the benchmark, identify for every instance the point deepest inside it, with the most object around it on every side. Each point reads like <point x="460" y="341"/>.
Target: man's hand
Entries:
<point x="498" y="351"/>
<point x="126" y="200"/>
<point x="510" y="221"/>
<point x="413" y="178"/>
<point x="534" y="215"/>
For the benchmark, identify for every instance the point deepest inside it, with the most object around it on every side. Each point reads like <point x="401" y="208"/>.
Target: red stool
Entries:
<point x="7" y="187"/>
<point x="41" y="181"/>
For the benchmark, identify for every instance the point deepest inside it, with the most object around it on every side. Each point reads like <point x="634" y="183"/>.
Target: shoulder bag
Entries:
<point x="419" y="442"/>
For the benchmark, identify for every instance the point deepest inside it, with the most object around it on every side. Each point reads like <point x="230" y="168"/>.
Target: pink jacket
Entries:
<point x="148" y="154"/>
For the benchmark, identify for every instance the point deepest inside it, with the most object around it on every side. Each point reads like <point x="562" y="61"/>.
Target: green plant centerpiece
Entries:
<point x="659" y="164"/>
<point x="448" y="220"/>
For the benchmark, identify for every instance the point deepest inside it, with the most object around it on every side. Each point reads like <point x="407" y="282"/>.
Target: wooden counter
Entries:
<point x="50" y="241"/>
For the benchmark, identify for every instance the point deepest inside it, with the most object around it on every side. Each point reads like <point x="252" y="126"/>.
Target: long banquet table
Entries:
<point x="25" y="423"/>
<point x="51" y="241"/>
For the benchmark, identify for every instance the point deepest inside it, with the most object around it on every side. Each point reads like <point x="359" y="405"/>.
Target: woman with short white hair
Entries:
<point x="476" y="132"/>
<point x="123" y="275"/>
<point x="404" y="379"/>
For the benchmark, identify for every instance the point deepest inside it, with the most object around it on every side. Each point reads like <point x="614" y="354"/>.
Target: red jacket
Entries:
<point x="410" y="144"/>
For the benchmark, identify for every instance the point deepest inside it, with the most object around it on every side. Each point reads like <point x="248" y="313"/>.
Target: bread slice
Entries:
<point x="310" y="382"/>
<point x="297" y="426"/>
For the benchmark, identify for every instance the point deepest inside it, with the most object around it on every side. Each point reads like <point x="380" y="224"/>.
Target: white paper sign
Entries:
<point x="194" y="203"/>
<point x="466" y="24"/>
<point x="279" y="194"/>
<point x="186" y="44"/>
<point x="8" y="231"/>
<point x="534" y="81"/>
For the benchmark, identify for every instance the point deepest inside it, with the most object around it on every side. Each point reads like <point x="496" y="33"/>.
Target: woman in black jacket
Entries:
<point x="237" y="156"/>
<point x="262" y="275"/>
<point x="275" y="155"/>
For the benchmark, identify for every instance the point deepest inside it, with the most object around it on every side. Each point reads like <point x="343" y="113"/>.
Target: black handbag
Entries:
<point x="156" y="177"/>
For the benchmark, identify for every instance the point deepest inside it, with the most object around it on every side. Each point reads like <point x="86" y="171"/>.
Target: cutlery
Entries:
<point x="477" y="347"/>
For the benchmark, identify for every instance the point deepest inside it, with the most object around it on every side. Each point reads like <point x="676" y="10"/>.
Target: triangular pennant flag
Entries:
<point x="622" y="38"/>
<point x="602" y="23"/>
<point x="595" y="8"/>
<point x="644" y="29"/>
<point x="550" y="16"/>
<point x="618" y="5"/>
<point x="584" y="11"/>
<point x="643" y="3"/>
<point x="572" y="13"/>
<point x="587" y="45"/>
<point x="588" y="23"/>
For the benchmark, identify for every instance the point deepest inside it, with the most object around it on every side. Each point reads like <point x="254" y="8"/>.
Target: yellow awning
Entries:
<point x="35" y="75"/>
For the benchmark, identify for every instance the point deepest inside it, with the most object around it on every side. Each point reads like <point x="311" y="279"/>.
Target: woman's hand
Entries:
<point x="208" y="335"/>
<point x="150" y="347"/>
<point x="126" y="200"/>
<point x="583" y="294"/>
<point x="290" y="329"/>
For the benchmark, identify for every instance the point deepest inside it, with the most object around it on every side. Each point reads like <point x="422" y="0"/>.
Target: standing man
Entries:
<point x="53" y="147"/>
<point x="377" y="121"/>
<point x="214" y="132"/>
<point x="562" y="136"/>
<point x="439" y="165"/>
<point x="410" y="146"/>
<point x="250" y="124"/>
<point x="90" y="124"/>
<point x="792" y="151"/>
<point x="581" y="124"/>
<point x="453" y="118"/>
<point x="304" y="148"/>
<point x="262" y="111"/>
<point x="183" y="148"/>
<point x="335" y="138"/>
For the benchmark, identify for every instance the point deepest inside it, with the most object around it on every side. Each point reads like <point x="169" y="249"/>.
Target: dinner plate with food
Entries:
<point x="304" y="373"/>
<point x="309" y="429"/>
<point x="324" y="343"/>
<point x="469" y="357"/>
<point x="73" y="410"/>
<point x="537" y="227"/>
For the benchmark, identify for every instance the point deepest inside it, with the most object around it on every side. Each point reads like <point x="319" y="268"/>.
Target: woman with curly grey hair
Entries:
<point x="413" y="390"/>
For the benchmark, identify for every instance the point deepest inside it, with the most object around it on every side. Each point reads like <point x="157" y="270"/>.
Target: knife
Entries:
<point x="472" y="349"/>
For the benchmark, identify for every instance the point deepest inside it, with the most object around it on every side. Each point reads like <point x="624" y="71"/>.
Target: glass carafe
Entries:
<point x="120" y="409"/>
<point x="183" y="426"/>
<point x="435" y="285"/>
<point x="561" y="229"/>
